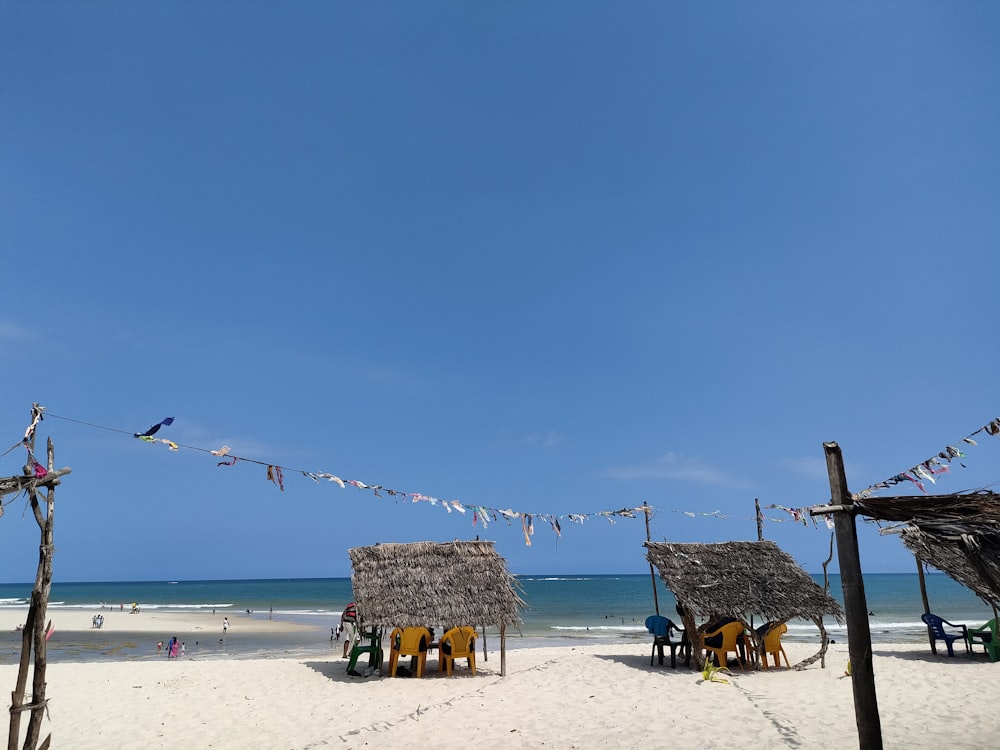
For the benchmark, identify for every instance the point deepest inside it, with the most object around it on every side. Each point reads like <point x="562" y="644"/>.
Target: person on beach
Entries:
<point x="349" y="619"/>
<point x="175" y="646"/>
<point x="225" y="625"/>
<point x="182" y="649"/>
<point x="170" y="646"/>
<point x="715" y="641"/>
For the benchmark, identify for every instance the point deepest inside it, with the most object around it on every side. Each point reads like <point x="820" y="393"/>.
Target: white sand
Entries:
<point x="595" y="696"/>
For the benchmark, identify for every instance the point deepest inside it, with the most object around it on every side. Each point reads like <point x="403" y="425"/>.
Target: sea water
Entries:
<point x="559" y="610"/>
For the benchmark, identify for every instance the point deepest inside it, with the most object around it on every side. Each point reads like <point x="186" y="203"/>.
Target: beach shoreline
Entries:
<point x="597" y="695"/>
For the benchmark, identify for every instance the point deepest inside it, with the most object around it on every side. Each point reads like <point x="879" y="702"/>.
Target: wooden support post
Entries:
<point x="824" y="638"/>
<point x="36" y="479"/>
<point x="923" y="585"/>
<point x="503" y="650"/>
<point x="760" y="520"/>
<point x="927" y="604"/>
<point x="859" y="639"/>
<point x="652" y="573"/>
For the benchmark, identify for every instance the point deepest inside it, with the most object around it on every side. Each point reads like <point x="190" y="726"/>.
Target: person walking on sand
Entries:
<point x="174" y="647"/>
<point x="225" y="625"/>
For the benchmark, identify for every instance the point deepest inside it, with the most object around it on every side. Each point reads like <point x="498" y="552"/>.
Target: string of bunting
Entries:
<point x="926" y="471"/>
<point x="933" y="467"/>
<point x="275" y="475"/>
<point x="481" y="514"/>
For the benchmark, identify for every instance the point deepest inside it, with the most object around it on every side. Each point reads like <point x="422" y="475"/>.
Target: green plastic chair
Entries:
<point x="373" y="647"/>
<point x="987" y="636"/>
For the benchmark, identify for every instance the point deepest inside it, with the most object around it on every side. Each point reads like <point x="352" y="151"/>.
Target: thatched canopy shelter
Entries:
<point x="740" y="579"/>
<point x="957" y="534"/>
<point x="435" y="584"/>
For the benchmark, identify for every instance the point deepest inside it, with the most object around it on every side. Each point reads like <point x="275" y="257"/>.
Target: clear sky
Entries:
<point x="556" y="257"/>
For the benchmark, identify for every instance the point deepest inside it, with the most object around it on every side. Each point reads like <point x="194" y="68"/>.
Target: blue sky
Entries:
<point x="559" y="257"/>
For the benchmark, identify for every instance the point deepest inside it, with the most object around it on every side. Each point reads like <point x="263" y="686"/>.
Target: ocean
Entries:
<point x="561" y="610"/>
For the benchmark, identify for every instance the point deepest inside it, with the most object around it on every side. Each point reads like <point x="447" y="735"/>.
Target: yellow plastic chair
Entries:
<point x="457" y="643"/>
<point x="731" y="633"/>
<point x="409" y="642"/>
<point x="772" y="646"/>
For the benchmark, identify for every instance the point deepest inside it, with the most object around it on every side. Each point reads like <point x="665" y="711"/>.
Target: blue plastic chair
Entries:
<point x="662" y="628"/>
<point x="936" y="631"/>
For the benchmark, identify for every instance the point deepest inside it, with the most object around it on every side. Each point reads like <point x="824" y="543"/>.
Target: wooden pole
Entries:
<point x="859" y="638"/>
<point x="824" y="638"/>
<point x="503" y="650"/>
<point x="927" y="604"/>
<point x="760" y="520"/>
<point x="35" y="629"/>
<point x="923" y="586"/>
<point x="652" y="573"/>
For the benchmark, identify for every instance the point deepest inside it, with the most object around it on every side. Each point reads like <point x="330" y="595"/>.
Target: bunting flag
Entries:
<point x="155" y="428"/>
<point x="36" y="417"/>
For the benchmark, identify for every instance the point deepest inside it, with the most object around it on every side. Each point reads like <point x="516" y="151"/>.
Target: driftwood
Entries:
<point x="35" y="630"/>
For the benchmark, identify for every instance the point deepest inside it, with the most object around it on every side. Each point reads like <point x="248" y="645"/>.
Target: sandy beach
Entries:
<point x="589" y="696"/>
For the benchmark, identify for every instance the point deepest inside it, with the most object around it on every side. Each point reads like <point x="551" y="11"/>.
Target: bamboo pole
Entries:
<point x="859" y="639"/>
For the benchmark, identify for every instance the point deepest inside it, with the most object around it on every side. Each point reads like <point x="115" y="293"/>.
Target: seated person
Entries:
<point x="764" y="629"/>
<point x="445" y="646"/>
<point x="715" y="641"/>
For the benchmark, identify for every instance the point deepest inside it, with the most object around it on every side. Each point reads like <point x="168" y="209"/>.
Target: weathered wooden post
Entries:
<point x="652" y="573"/>
<point x="34" y="635"/>
<point x="503" y="650"/>
<point x="859" y="637"/>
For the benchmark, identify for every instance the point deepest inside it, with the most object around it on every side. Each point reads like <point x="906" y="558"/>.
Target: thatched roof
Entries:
<point x="434" y="583"/>
<point x="957" y="534"/>
<point x="739" y="579"/>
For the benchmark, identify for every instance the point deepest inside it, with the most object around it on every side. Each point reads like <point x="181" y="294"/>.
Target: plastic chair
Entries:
<point x="661" y="628"/>
<point x="373" y="648"/>
<point x="987" y="636"/>
<point x="936" y="631"/>
<point x="409" y="642"/>
<point x="457" y="643"/>
<point x="772" y="645"/>
<point x="730" y="633"/>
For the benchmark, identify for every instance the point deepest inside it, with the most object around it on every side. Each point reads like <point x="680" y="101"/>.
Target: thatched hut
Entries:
<point x="957" y="534"/>
<point x="741" y="579"/>
<point x="435" y="583"/>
